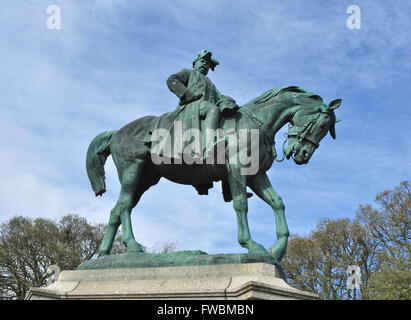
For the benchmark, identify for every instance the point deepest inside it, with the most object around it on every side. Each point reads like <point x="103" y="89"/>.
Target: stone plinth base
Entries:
<point x="227" y="281"/>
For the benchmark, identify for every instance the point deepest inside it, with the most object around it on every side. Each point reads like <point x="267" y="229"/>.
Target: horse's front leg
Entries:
<point x="239" y="194"/>
<point x="261" y="185"/>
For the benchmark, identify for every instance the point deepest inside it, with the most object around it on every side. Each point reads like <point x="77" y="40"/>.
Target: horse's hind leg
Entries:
<point x="110" y="234"/>
<point x="121" y="213"/>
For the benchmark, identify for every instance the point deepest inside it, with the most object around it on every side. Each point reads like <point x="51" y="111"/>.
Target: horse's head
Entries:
<point x="310" y="124"/>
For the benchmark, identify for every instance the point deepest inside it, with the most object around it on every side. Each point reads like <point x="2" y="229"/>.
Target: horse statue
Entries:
<point x="309" y="121"/>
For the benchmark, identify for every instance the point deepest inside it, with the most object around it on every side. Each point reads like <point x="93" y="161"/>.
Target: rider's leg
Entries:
<point x="212" y="118"/>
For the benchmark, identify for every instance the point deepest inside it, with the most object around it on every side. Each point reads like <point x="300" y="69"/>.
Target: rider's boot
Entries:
<point x="211" y="123"/>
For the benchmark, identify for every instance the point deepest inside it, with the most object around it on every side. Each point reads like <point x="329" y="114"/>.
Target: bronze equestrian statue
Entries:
<point x="202" y="106"/>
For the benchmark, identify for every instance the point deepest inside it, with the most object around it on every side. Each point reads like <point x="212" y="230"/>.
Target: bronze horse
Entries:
<point x="309" y="121"/>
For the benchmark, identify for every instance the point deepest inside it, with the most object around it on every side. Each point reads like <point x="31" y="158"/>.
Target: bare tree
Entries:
<point x="163" y="247"/>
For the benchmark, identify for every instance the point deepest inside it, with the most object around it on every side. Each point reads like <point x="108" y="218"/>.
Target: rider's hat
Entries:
<point x="208" y="56"/>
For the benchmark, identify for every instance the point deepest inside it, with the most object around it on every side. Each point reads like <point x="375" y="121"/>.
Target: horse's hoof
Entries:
<point x="102" y="254"/>
<point x="256" y="248"/>
<point x="134" y="247"/>
<point x="277" y="252"/>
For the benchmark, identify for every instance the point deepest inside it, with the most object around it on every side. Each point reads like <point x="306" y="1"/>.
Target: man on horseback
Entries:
<point x="194" y="87"/>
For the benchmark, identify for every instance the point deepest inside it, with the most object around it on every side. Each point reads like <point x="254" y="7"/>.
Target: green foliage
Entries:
<point x="390" y="226"/>
<point x="377" y="240"/>
<point x="318" y="262"/>
<point x="28" y="246"/>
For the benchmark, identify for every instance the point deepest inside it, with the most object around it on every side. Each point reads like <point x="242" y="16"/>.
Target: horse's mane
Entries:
<point x="271" y="94"/>
<point x="315" y="103"/>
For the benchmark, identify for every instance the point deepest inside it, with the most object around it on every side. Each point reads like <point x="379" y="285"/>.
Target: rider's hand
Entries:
<point x="190" y="97"/>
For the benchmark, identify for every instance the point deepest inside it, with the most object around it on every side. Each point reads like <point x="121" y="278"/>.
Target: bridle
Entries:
<point x="303" y="133"/>
<point x="306" y="131"/>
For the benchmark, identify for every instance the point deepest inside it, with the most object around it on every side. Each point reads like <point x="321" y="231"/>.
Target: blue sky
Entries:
<point x="109" y="63"/>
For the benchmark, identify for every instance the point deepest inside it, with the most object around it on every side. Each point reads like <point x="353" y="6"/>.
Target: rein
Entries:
<point x="300" y="135"/>
<point x="260" y="124"/>
<point x="304" y="133"/>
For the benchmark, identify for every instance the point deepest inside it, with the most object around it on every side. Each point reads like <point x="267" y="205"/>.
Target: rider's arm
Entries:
<point x="226" y="102"/>
<point x="219" y="95"/>
<point x="225" y="99"/>
<point x="177" y="83"/>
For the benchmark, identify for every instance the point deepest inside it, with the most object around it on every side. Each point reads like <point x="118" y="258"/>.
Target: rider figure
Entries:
<point x="193" y="85"/>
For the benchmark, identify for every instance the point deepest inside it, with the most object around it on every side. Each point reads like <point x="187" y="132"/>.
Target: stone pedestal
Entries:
<point x="226" y="281"/>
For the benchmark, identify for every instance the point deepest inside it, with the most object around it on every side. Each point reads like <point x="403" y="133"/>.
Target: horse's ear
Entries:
<point x="334" y="104"/>
<point x="332" y="131"/>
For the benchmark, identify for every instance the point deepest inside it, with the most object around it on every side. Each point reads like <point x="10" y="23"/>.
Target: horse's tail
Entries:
<point x="97" y="154"/>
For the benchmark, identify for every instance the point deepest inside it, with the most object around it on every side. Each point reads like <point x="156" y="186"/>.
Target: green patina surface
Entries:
<point x="131" y="148"/>
<point x="175" y="259"/>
